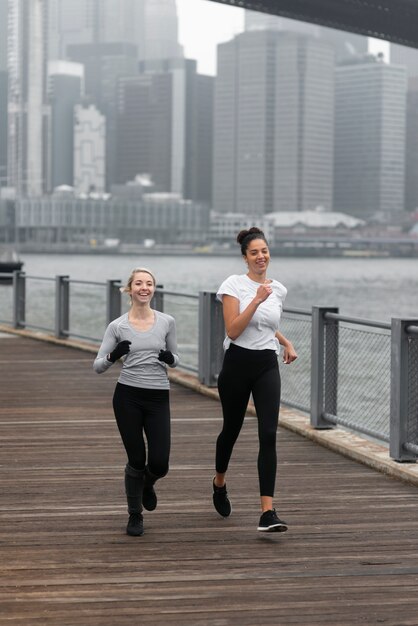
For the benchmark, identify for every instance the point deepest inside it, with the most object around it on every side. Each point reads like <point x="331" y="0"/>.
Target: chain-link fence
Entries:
<point x="296" y="378"/>
<point x="412" y="411"/>
<point x="360" y="396"/>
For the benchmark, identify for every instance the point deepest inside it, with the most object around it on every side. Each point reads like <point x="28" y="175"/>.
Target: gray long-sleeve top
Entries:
<point x="141" y="367"/>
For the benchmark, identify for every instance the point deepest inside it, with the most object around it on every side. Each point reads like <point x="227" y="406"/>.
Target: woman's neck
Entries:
<point x="140" y="312"/>
<point x="257" y="278"/>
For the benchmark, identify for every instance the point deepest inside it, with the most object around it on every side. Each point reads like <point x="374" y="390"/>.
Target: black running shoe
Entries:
<point x="270" y="523"/>
<point x="149" y="498"/>
<point x="221" y="501"/>
<point x="135" y="525"/>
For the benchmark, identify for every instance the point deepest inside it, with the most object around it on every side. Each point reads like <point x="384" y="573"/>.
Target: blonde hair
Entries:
<point x="128" y="287"/>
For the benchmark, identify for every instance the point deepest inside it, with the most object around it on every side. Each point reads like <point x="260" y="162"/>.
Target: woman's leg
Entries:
<point x="129" y="418"/>
<point x="234" y="395"/>
<point x="266" y="395"/>
<point x="157" y="430"/>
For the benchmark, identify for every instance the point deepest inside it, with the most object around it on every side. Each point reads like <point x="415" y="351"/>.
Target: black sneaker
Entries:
<point x="221" y="501"/>
<point x="135" y="525"/>
<point x="270" y="523"/>
<point x="149" y="498"/>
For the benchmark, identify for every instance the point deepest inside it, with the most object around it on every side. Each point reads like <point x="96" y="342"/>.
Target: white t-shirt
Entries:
<point x="260" y="332"/>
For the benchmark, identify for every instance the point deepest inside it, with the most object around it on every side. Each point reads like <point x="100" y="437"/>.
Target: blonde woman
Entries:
<point x="146" y="341"/>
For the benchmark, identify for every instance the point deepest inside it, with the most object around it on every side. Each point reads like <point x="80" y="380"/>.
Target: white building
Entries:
<point x="89" y="149"/>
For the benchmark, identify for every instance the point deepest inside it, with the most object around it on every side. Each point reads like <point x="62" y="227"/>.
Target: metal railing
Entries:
<point x="355" y="373"/>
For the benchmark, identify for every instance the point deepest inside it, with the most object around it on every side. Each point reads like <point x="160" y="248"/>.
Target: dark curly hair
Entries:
<point x="245" y="236"/>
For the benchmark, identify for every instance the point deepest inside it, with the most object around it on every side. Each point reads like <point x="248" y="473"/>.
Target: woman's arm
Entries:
<point x="171" y="342"/>
<point x="101" y="364"/>
<point x="289" y="353"/>
<point x="236" y="322"/>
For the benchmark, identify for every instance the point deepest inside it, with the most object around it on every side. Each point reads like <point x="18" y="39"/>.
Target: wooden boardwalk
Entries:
<point x="350" y="555"/>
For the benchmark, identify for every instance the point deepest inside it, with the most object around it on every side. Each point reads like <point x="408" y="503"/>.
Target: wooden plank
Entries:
<point x="350" y="555"/>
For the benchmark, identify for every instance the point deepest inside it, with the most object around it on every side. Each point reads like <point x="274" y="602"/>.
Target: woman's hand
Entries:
<point x="121" y="349"/>
<point x="263" y="293"/>
<point x="289" y="353"/>
<point x="166" y="356"/>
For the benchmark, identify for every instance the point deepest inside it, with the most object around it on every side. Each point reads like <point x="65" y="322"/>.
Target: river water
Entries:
<point x="372" y="288"/>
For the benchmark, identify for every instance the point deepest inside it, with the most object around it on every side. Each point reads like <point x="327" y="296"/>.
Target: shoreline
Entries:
<point x="222" y="252"/>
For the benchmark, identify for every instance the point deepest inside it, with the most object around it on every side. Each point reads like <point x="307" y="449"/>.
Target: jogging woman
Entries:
<point x="146" y="340"/>
<point x="252" y="306"/>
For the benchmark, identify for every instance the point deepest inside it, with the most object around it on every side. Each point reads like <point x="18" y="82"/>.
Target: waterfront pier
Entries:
<point x="350" y="555"/>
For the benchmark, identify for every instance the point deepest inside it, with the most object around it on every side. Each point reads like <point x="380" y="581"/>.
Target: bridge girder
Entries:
<point x="392" y="20"/>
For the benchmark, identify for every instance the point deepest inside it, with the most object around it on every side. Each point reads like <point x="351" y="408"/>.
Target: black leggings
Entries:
<point x="245" y="372"/>
<point x="140" y="411"/>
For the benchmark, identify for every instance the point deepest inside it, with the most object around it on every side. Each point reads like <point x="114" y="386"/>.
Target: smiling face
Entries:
<point x="257" y="256"/>
<point x="142" y="288"/>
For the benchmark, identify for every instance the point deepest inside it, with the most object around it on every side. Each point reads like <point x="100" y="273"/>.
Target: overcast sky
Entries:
<point x="203" y="24"/>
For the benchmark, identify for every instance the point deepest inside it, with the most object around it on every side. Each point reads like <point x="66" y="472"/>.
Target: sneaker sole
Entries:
<point x="275" y="528"/>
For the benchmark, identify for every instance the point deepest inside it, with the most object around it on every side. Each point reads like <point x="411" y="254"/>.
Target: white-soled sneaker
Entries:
<point x="270" y="523"/>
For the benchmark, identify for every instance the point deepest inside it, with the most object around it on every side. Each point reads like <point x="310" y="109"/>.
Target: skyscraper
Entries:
<point x="74" y="22"/>
<point x="273" y="123"/>
<point x="3" y="91"/>
<point x="160" y="30"/>
<point x="27" y="98"/>
<point x="65" y="91"/>
<point x="401" y="55"/>
<point x="411" y="152"/>
<point x="345" y="44"/>
<point x="103" y="64"/>
<point x="165" y="127"/>
<point x="150" y="25"/>
<point x="369" y="137"/>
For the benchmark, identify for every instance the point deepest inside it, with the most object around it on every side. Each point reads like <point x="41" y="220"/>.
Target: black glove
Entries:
<point x="121" y="349"/>
<point x="166" y="356"/>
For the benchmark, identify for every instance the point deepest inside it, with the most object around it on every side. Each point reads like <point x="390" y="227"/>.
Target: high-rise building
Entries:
<point x="65" y="91"/>
<point x="345" y="44"/>
<point x="3" y="127"/>
<point x="3" y="34"/>
<point x="273" y="124"/>
<point x="165" y="127"/>
<point x="401" y="55"/>
<point x="144" y="129"/>
<point x="104" y="64"/>
<point x="160" y="33"/>
<point x="3" y="91"/>
<point x="27" y="98"/>
<point x="150" y="25"/>
<point x="369" y="137"/>
<point x="411" y="151"/>
<point x="89" y="149"/>
<point x="74" y="22"/>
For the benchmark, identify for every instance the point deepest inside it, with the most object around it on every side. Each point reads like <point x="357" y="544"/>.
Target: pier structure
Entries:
<point x="349" y="556"/>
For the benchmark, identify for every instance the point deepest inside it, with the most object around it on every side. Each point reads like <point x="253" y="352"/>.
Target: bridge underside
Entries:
<point x="392" y="20"/>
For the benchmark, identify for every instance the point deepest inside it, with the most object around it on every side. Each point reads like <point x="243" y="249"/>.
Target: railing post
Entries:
<point x="399" y="388"/>
<point x="62" y="306"/>
<point x="19" y="299"/>
<point x="324" y="367"/>
<point x="113" y="300"/>
<point x="211" y="337"/>
<point x="157" y="302"/>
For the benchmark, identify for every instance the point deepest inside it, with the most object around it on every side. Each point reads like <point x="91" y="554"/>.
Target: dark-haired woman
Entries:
<point x="252" y="306"/>
<point x="146" y="339"/>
